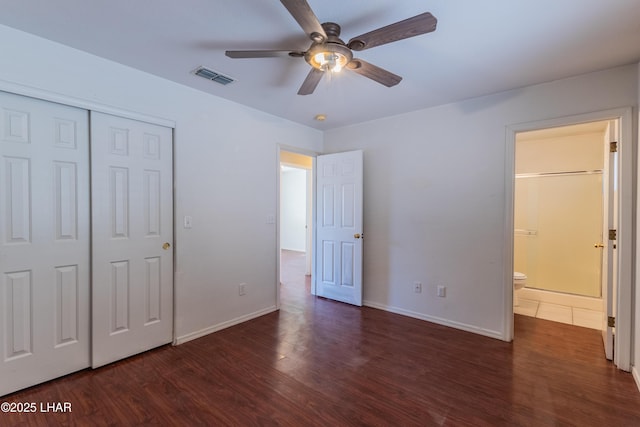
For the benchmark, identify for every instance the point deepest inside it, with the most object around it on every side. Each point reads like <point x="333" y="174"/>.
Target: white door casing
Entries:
<point x="339" y="238"/>
<point x="309" y="219"/>
<point x="132" y="232"/>
<point x="44" y="241"/>
<point x="610" y="222"/>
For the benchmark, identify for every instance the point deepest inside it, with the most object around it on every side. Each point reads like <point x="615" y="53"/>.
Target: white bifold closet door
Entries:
<point x="132" y="237"/>
<point x="44" y="241"/>
<point x="75" y="294"/>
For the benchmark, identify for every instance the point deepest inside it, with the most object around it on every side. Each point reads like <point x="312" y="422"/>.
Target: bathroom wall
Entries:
<point x="558" y="217"/>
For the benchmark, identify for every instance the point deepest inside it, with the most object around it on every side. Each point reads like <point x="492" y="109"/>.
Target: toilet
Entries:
<point x="519" y="282"/>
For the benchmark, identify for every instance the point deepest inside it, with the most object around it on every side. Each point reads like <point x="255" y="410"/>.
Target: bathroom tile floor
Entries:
<point x="560" y="313"/>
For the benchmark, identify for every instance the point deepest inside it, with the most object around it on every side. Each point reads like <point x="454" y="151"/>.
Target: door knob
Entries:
<point x="357" y="235"/>
<point x="598" y="245"/>
<point x="166" y="245"/>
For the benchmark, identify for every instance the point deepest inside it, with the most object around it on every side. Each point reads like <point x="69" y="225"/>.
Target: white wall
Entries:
<point x="435" y="195"/>
<point x="293" y="211"/>
<point x="225" y="173"/>
<point x="636" y="330"/>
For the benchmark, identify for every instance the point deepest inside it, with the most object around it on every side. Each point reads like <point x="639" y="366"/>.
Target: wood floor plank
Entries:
<point x="321" y="363"/>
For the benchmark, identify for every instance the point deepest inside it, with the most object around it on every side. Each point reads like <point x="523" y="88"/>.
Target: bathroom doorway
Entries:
<point x="564" y="192"/>
<point x="616" y="262"/>
<point x="558" y="221"/>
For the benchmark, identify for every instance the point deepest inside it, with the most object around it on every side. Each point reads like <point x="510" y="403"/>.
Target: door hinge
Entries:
<point x="612" y="234"/>
<point x="613" y="147"/>
<point x="611" y="321"/>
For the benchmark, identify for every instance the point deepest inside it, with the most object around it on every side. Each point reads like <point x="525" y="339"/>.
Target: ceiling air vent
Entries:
<point x="213" y="75"/>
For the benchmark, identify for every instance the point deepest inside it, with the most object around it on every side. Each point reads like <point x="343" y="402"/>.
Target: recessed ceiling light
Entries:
<point x="320" y="117"/>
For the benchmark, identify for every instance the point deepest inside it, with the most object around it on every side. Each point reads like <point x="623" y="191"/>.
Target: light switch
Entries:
<point x="187" y="222"/>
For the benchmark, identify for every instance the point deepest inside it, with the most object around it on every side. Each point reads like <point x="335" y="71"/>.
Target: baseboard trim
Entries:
<point x="220" y="326"/>
<point x="636" y="376"/>
<point x="433" y="319"/>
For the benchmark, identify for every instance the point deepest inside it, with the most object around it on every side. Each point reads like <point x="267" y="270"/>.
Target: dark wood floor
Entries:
<point x="318" y="362"/>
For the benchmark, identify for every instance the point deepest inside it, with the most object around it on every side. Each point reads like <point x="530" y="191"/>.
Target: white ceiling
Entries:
<point x="479" y="47"/>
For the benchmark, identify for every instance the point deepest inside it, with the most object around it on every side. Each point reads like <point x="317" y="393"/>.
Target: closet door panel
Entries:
<point x="132" y="217"/>
<point x="44" y="241"/>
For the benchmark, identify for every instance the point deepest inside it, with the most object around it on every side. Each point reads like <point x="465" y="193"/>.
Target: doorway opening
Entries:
<point x="617" y="240"/>
<point x="559" y="194"/>
<point x="334" y="222"/>
<point x="615" y="245"/>
<point x="295" y="231"/>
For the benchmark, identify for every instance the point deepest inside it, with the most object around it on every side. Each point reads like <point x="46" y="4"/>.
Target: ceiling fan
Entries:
<point x="328" y="53"/>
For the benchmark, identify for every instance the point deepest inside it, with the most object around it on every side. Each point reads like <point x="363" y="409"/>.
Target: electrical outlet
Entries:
<point x="442" y="291"/>
<point x="242" y="289"/>
<point x="417" y="287"/>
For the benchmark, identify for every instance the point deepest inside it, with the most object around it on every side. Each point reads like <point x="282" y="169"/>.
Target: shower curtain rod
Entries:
<point x="533" y="175"/>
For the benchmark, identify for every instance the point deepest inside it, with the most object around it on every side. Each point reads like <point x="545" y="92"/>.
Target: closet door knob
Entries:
<point x="166" y="245"/>
<point x="598" y="245"/>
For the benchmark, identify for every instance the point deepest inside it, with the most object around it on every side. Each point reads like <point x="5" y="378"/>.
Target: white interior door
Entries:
<point x="609" y="254"/>
<point x="132" y="231"/>
<point x="339" y="227"/>
<point x="44" y="241"/>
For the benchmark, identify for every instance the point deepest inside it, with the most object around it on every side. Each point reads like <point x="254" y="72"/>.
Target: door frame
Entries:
<point x="622" y="344"/>
<point x="309" y="153"/>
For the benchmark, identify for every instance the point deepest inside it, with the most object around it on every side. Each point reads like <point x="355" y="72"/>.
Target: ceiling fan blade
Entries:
<point x="302" y="13"/>
<point x="263" y="53"/>
<point x="374" y="72"/>
<point x="419" y="24"/>
<point x="310" y="83"/>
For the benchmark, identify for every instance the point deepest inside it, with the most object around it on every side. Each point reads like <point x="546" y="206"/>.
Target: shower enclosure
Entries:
<point x="558" y="210"/>
<point x="558" y="225"/>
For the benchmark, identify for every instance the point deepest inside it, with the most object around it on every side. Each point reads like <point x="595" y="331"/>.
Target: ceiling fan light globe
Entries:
<point x="328" y="56"/>
<point x="330" y="61"/>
